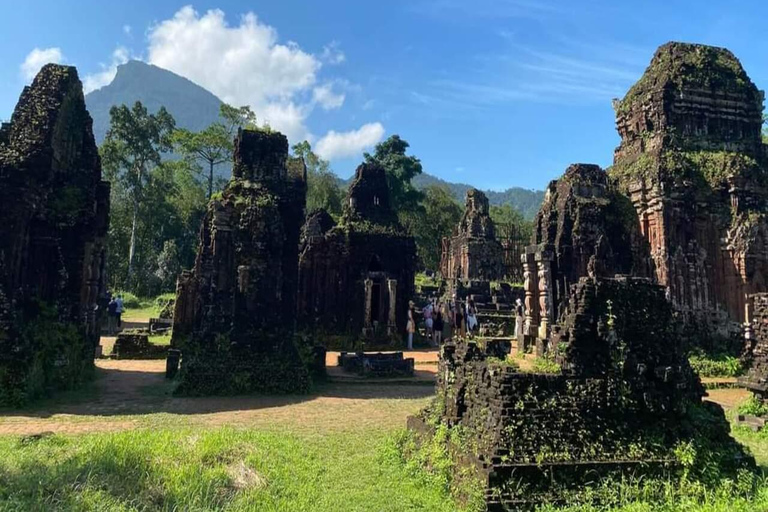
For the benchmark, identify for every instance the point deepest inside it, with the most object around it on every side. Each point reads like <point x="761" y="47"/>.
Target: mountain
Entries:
<point x="525" y="201"/>
<point x="193" y="107"/>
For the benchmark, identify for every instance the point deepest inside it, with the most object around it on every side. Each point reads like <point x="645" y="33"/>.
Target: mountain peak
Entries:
<point x="192" y="106"/>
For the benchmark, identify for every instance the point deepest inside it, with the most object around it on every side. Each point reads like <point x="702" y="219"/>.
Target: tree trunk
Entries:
<point x="210" y="180"/>
<point x="132" y="248"/>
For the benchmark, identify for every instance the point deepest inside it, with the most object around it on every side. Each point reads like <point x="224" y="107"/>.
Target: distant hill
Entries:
<point x="525" y="201"/>
<point x="193" y="107"/>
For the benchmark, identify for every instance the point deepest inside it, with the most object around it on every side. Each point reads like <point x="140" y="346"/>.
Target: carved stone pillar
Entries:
<point x="392" y="322"/>
<point x="544" y="263"/>
<point x="530" y="327"/>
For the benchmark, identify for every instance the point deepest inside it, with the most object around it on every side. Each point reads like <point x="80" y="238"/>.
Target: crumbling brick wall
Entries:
<point x="234" y="315"/>
<point x="53" y="223"/>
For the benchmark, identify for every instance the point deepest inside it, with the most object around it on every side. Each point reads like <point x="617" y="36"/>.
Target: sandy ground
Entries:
<point x="135" y="394"/>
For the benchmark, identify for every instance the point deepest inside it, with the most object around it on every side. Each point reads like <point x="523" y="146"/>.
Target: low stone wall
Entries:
<point x="757" y="353"/>
<point x="136" y="345"/>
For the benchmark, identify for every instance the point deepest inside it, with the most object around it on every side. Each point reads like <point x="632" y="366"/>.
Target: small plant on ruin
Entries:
<point x="753" y="406"/>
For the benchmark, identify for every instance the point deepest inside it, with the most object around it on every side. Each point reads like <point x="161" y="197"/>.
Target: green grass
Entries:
<point x="145" y="308"/>
<point x="221" y="469"/>
<point x="161" y="339"/>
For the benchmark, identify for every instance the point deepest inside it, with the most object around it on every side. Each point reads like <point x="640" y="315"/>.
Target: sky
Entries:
<point x="494" y="93"/>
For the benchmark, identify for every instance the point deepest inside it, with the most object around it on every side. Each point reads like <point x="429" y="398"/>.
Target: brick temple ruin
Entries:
<point x="356" y="277"/>
<point x="624" y="267"/>
<point x="693" y="164"/>
<point x="473" y="252"/>
<point x="53" y="223"/>
<point x="234" y="315"/>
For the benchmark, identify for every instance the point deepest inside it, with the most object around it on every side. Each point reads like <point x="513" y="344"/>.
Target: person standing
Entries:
<point x="459" y="320"/>
<point x="438" y="326"/>
<point x="119" y="311"/>
<point x="471" y="317"/>
<point x="428" y="320"/>
<point x="410" y="327"/>
<point x="111" y="316"/>
<point x="519" y="320"/>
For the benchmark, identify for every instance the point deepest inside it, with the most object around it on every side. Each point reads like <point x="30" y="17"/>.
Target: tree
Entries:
<point x="323" y="189"/>
<point x="134" y="145"/>
<point x="400" y="169"/>
<point x="506" y="216"/>
<point x="439" y="215"/>
<point x="214" y="145"/>
<point x="765" y="128"/>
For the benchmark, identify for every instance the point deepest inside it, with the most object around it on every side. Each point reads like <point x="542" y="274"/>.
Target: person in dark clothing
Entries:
<point x="438" y="325"/>
<point x="458" y="327"/>
<point x="112" y="316"/>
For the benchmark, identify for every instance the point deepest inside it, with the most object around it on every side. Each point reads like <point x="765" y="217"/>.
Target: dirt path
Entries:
<point x="133" y="394"/>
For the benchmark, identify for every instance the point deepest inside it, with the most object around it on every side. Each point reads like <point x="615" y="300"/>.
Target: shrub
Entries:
<point x="753" y="406"/>
<point x="720" y="365"/>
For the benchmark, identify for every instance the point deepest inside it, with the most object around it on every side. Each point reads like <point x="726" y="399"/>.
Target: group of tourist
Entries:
<point x="114" y="313"/>
<point x="443" y="320"/>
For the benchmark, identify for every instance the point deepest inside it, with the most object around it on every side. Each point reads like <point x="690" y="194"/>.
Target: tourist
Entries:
<point x="458" y="325"/>
<point x="111" y="316"/>
<point x="119" y="311"/>
<point x="437" y="338"/>
<point x="519" y="320"/>
<point x="410" y="327"/>
<point x="428" y="321"/>
<point x="471" y="316"/>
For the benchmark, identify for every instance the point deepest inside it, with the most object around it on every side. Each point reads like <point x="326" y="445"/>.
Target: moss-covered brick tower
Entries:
<point x="693" y="163"/>
<point x="54" y="216"/>
<point x="234" y="314"/>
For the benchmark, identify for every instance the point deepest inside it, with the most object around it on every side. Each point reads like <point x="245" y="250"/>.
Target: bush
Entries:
<point x="720" y="365"/>
<point x="130" y="301"/>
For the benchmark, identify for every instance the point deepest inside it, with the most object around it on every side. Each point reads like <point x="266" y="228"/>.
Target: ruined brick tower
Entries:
<point x="693" y="163"/>
<point x="473" y="253"/>
<point x="53" y="223"/>
<point x="234" y="314"/>
<point x="357" y="277"/>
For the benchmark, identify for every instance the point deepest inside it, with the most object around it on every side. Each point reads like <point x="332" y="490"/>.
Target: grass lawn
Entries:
<point x="214" y="469"/>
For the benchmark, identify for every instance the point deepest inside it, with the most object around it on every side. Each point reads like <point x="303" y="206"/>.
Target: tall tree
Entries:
<point x="134" y="145"/>
<point x="400" y="169"/>
<point x="323" y="190"/>
<point x="439" y="215"/>
<point x="214" y="145"/>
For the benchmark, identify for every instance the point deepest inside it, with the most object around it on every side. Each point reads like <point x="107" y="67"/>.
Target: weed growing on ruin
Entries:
<point x="753" y="406"/>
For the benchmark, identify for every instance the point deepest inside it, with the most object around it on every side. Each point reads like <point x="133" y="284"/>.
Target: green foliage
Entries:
<point x="719" y="365"/>
<point x="400" y="169"/>
<point x="130" y="153"/>
<point x="545" y="365"/>
<point x="507" y="216"/>
<point x="323" y="191"/>
<point x="50" y="354"/>
<point x="437" y="218"/>
<point x="213" y="145"/>
<point x="753" y="406"/>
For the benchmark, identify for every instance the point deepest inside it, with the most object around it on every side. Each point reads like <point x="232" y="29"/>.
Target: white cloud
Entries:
<point x="38" y="58"/>
<point x="243" y="64"/>
<point x="332" y="55"/>
<point x="127" y="30"/>
<point x="326" y="98"/>
<point x="348" y="144"/>
<point x="107" y="74"/>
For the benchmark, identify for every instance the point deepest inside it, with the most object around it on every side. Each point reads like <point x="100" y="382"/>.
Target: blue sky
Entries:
<point x="495" y="93"/>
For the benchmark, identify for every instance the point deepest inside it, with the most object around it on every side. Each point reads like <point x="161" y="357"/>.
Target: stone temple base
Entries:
<point x="377" y="365"/>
